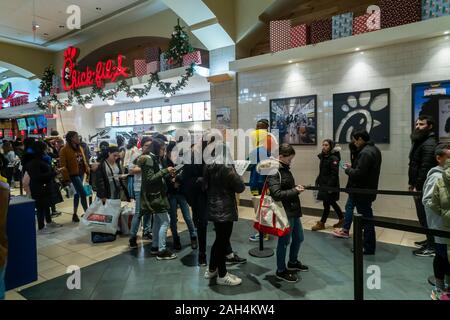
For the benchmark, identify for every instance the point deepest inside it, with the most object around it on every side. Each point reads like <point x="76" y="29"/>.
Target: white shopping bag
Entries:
<point x="101" y="217"/>
<point x="126" y="217"/>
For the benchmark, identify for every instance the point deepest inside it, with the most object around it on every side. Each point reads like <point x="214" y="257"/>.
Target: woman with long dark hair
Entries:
<point x="329" y="177"/>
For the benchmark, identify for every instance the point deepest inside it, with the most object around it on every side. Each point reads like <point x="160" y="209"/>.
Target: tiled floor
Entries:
<point x="71" y="245"/>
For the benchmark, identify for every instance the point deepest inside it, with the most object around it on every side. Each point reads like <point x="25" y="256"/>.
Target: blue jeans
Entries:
<point x="348" y="218"/>
<point x="2" y="282"/>
<point x="161" y="223"/>
<point x="297" y="238"/>
<point x="131" y="191"/>
<point x="175" y="200"/>
<point x="136" y="222"/>
<point x="364" y="208"/>
<point x="77" y="182"/>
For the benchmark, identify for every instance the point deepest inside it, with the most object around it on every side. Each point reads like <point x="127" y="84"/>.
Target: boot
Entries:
<point x="194" y="244"/>
<point x="75" y="218"/>
<point x="176" y="244"/>
<point x="339" y="224"/>
<point x="319" y="226"/>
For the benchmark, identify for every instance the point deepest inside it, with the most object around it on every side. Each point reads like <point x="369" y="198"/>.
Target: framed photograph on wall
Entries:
<point x="368" y="110"/>
<point x="296" y="119"/>
<point x="433" y="99"/>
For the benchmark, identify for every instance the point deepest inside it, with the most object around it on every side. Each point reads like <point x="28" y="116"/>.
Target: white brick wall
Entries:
<point x="394" y="67"/>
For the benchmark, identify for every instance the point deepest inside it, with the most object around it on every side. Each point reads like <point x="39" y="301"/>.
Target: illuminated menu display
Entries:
<point x="208" y="110"/>
<point x="138" y="116"/>
<point x="122" y="118"/>
<point x="186" y="110"/>
<point x="176" y="113"/>
<point x="148" y="116"/>
<point x="108" y="119"/>
<point x="157" y="117"/>
<point x="198" y="110"/>
<point x="130" y="118"/>
<point x="166" y="114"/>
<point x="115" y="119"/>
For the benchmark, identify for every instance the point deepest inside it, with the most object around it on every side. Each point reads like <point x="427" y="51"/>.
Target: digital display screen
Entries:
<point x="198" y="111"/>
<point x="148" y="116"/>
<point x="186" y="112"/>
<point x="31" y="123"/>
<point x="166" y="114"/>
<point x="41" y="122"/>
<point x="22" y="124"/>
<point x="157" y="116"/>
<point x="108" y="119"/>
<point x="176" y="113"/>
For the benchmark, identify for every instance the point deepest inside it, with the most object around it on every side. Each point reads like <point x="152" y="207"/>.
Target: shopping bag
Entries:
<point x="271" y="217"/>
<point x="101" y="217"/>
<point x="87" y="189"/>
<point x="125" y="219"/>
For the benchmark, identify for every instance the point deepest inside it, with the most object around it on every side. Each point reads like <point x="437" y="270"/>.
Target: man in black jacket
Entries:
<point x="365" y="175"/>
<point x="421" y="160"/>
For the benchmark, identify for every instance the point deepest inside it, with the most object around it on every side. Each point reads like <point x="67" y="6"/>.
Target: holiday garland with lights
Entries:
<point x="179" y="46"/>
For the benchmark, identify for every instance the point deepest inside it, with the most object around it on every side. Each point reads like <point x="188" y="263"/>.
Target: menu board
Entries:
<point x="130" y="118"/>
<point x="41" y="122"/>
<point x="166" y="114"/>
<point x="186" y="110"/>
<point x="138" y="117"/>
<point x="148" y="116"/>
<point x="176" y="113"/>
<point x="115" y="119"/>
<point x="198" y="110"/>
<point x="108" y="119"/>
<point x="157" y="117"/>
<point x="208" y="110"/>
<point x="122" y="118"/>
<point x="22" y="124"/>
<point x="31" y="123"/>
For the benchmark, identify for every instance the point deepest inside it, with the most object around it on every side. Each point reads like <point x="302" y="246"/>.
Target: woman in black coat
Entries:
<point x="329" y="177"/>
<point x="222" y="183"/>
<point x="41" y="185"/>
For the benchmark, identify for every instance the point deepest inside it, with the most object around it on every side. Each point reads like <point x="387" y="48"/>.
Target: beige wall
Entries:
<point x="247" y="15"/>
<point x="395" y="67"/>
<point x="225" y="13"/>
<point x="158" y="25"/>
<point x="32" y="60"/>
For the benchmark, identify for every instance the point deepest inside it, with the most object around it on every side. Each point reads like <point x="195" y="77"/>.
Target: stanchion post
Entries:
<point x="358" y="259"/>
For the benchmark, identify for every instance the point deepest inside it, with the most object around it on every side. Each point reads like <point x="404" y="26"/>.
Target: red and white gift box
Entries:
<point x="153" y="67"/>
<point x="321" y="31"/>
<point x="192" y="57"/>
<point x="140" y="67"/>
<point x="398" y="12"/>
<point x="362" y="24"/>
<point x="152" y="54"/>
<point x="280" y="35"/>
<point x="299" y="36"/>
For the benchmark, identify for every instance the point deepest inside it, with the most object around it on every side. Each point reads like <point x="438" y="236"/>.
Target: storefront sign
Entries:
<point x="10" y="98"/>
<point x="74" y="79"/>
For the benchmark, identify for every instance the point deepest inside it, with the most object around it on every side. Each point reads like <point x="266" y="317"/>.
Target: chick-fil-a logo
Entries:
<point x="73" y="79"/>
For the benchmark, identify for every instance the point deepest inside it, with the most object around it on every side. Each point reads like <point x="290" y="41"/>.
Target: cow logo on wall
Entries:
<point x="6" y="89"/>
<point x="367" y="110"/>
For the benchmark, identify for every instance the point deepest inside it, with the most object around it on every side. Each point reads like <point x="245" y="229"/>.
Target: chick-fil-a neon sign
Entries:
<point x="73" y="79"/>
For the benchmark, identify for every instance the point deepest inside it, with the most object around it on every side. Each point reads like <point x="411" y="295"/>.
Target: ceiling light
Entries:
<point x="69" y="108"/>
<point x="357" y="49"/>
<point x="290" y="61"/>
<point x="168" y="95"/>
<point x="88" y="105"/>
<point x="447" y="32"/>
<point x="111" y="102"/>
<point x="136" y="99"/>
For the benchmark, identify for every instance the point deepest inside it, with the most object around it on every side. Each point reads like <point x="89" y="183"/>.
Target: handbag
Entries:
<point x="87" y="189"/>
<point x="271" y="217"/>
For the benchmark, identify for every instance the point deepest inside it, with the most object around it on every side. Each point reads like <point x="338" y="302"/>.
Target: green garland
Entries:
<point x="122" y="86"/>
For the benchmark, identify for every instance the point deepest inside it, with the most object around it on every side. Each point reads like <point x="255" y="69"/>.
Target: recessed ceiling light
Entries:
<point x="447" y="32"/>
<point x="357" y="49"/>
<point x="98" y="8"/>
<point x="290" y="61"/>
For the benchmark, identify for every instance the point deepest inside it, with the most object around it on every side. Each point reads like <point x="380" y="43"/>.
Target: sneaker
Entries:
<point x="297" y="266"/>
<point x="54" y="225"/>
<point x="341" y="233"/>
<point x="55" y="214"/>
<point x="154" y="251"/>
<point x="210" y="275"/>
<point x="287" y="276"/>
<point x="147" y="236"/>
<point x="437" y="294"/>
<point x="339" y="224"/>
<point x="235" y="260"/>
<point x="194" y="243"/>
<point x="319" y="226"/>
<point x="166" y="255"/>
<point x="45" y="230"/>
<point x="420" y="244"/>
<point x="229" y="280"/>
<point x="254" y="238"/>
<point x="202" y="260"/>
<point x="75" y="218"/>
<point x="133" y="243"/>
<point x="176" y="244"/>
<point x="424" y="252"/>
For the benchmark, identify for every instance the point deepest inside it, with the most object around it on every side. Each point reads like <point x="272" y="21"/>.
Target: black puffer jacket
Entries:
<point x="366" y="173"/>
<point x="329" y="174"/>
<point x="41" y="181"/>
<point x="421" y="160"/>
<point x="221" y="183"/>
<point x="102" y="184"/>
<point x="282" y="188"/>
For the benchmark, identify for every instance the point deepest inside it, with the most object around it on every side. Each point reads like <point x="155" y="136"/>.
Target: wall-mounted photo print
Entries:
<point x="368" y="110"/>
<point x="295" y="119"/>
